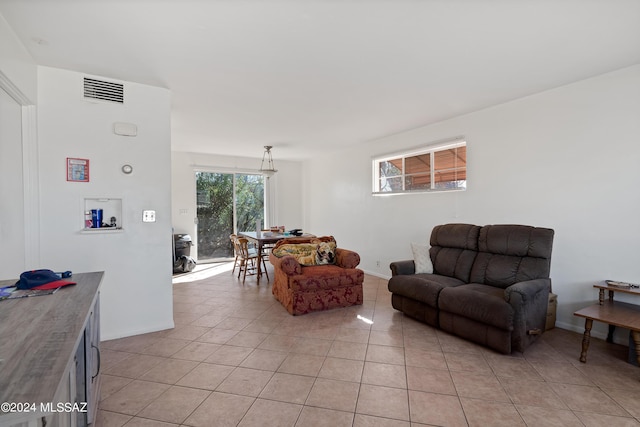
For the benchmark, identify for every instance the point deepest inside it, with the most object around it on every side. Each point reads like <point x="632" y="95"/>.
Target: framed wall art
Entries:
<point x="77" y="170"/>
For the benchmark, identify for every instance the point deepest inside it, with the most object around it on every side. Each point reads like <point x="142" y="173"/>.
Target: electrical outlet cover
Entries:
<point x="148" y="216"/>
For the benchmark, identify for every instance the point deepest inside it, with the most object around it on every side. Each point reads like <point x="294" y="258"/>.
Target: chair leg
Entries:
<point x="265" y="269"/>
<point x="244" y="276"/>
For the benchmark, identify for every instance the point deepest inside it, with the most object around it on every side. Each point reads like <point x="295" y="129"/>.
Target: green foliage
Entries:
<point x="215" y="198"/>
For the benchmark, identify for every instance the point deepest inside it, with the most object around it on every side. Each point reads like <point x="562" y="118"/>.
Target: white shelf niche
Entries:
<point x="111" y="207"/>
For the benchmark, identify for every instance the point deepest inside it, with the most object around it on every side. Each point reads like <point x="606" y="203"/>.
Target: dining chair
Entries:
<point x="248" y="260"/>
<point x="236" y="251"/>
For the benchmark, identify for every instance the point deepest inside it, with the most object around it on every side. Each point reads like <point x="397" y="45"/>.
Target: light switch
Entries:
<point x="148" y="216"/>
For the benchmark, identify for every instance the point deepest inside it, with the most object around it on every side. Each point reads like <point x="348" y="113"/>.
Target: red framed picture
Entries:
<point x="77" y="169"/>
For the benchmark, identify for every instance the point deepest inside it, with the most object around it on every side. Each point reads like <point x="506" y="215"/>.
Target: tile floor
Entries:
<point x="237" y="358"/>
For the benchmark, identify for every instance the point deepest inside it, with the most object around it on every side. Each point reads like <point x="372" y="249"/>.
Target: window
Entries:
<point x="441" y="167"/>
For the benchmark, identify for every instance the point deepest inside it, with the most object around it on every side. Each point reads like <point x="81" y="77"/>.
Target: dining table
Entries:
<point x="262" y="239"/>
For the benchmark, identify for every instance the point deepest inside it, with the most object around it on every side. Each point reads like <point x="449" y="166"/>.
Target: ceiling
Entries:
<point x="308" y="76"/>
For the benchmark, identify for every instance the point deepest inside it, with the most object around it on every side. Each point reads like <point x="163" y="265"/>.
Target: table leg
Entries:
<point x="636" y="339"/>
<point x="586" y="338"/>
<point x="601" y="297"/>
<point x="612" y="329"/>
<point x="259" y="273"/>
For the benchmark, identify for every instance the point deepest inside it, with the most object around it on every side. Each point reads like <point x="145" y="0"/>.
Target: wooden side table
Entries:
<point x="614" y="313"/>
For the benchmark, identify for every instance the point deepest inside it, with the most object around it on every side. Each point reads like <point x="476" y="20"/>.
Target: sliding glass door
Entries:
<point x="226" y="203"/>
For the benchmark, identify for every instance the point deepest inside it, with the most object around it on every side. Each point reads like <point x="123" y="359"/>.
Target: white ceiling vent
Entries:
<point x="103" y="91"/>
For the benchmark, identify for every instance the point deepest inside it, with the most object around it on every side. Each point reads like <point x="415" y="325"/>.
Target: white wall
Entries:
<point x="286" y="188"/>
<point x="16" y="65"/>
<point x="136" y="290"/>
<point x="565" y="159"/>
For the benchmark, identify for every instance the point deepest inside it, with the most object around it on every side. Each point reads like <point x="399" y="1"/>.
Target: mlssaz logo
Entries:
<point x="64" y="407"/>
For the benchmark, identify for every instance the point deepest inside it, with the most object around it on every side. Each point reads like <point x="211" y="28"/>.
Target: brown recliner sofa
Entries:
<point x="489" y="284"/>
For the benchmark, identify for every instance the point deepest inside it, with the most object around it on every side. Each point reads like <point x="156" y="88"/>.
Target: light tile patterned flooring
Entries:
<point x="237" y="358"/>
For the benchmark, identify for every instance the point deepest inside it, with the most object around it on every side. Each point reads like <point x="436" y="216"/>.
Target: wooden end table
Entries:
<point x="614" y="313"/>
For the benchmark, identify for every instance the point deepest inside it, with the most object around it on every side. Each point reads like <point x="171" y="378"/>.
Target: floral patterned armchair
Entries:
<point x="302" y="288"/>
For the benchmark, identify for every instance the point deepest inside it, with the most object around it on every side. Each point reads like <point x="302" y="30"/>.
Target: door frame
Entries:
<point x="30" y="171"/>
<point x="268" y="197"/>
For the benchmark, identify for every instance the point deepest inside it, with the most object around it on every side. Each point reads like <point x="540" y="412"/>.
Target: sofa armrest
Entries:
<point x="346" y="258"/>
<point x="529" y="301"/>
<point x="402" y="267"/>
<point x="523" y="293"/>
<point x="287" y="264"/>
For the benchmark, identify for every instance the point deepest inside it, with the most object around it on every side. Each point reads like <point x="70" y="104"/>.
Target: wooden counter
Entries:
<point x="40" y="338"/>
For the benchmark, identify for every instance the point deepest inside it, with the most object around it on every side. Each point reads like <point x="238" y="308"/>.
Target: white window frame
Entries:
<point x="428" y="149"/>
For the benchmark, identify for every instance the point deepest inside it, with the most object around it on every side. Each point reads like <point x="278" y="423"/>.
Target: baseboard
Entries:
<point x="376" y="274"/>
<point x="161" y="327"/>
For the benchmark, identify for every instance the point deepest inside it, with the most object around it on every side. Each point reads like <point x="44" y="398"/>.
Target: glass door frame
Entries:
<point x="268" y="192"/>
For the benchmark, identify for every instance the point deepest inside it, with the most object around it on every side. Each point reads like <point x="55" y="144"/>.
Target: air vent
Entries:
<point x="104" y="91"/>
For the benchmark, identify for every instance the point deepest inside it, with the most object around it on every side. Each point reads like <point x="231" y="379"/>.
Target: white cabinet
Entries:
<point x="92" y="366"/>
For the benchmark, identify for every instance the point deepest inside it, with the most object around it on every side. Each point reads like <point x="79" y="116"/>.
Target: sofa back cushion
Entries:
<point x="453" y="249"/>
<point x="508" y="254"/>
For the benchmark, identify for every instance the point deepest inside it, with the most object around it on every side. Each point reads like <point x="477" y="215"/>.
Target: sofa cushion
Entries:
<point x="512" y="253"/>
<point x="453" y="249"/>
<point x="516" y="240"/>
<point x="422" y="287"/>
<point x="461" y="236"/>
<point x="482" y="303"/>
<point x="421" y="259"/>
